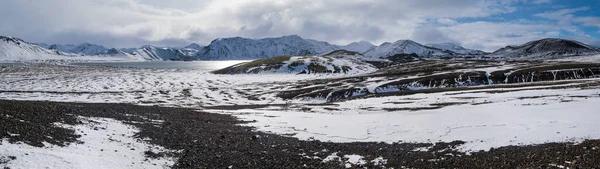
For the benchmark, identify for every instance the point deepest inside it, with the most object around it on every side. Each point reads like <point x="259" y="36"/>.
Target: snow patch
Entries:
<point x="112" y="147"/>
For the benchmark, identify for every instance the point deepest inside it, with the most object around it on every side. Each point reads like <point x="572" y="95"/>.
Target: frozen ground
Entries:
<point x="169" y="87"/>
<point x="483" y="118"/>
<point x="105" y="143"/>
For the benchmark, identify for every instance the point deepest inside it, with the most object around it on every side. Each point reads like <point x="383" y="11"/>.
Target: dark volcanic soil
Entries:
<point x="217" y="141"/>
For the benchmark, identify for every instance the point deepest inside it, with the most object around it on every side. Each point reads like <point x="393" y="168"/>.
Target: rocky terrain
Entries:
<point x="208" y="140"/>
<point x="425" y="76"/>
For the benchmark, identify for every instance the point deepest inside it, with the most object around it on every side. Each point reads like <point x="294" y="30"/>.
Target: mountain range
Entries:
<point x="238" y="48"/>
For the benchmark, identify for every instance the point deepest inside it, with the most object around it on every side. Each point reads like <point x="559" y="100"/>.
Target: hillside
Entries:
<point x="155" y="53"/>
<point x="17" y="49"/>
<point x="81" y="49"/>
<point x="345" y="64"/>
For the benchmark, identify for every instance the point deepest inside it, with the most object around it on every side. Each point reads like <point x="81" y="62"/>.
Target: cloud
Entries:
<point x="589" y="21"/>
<point x="563" y="14"/>
<point x="542" y="1"/>
<point x="129" y="22"/>
<point x="566" y="17"/>
<point x="568" y="21"/>
<point x="446" y="21"/>
<point x="132" y="23"/>
<point x="432" y="35"/>
<point x="490" y="36"/>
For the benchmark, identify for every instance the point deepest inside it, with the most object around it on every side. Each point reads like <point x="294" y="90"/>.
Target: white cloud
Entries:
<point x="568" y="21"/>
<point x="589" y="21"/>
<point x="446" y="21"/>
<point x="542" y="1"/>
<point x="489" y="36"/>
<point x="136" y="22"/>
<point x="131" y="23"/>
<point x="566" y="17"/>
<point x="563" y="14"/>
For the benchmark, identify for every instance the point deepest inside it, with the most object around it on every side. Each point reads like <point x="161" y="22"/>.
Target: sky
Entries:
<point x="478" y="24"/>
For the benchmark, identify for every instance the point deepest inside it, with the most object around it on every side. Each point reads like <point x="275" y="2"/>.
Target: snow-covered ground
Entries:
<point x="592" y="58"/>
<point x="107" y="143"/>
<point x="168" y="87"/>
<point x="484" y="118"/>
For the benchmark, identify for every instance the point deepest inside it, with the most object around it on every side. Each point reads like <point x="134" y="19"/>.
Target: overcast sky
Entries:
<point x="479" y="24"/>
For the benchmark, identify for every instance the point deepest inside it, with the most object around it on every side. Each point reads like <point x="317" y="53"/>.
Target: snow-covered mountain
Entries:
<point x="456" y="48"/>
<point x="17" y="49"/>
<point x="81" y="49"/>
<point x="128" y="50"/>
<point x="191" y="50"/>
<point x="14" y="49"/>
<point x="155" y="53"/>
<point x="193" y="46"/>
<point x="43" y="45"/>
<point x="405" y="47"/>
<point x="549" y="48"/>
<point x="360" y="47"/>
<point x="338" y="62"/>
<point x="145" y="52"/>
<point x="238" y="48"/>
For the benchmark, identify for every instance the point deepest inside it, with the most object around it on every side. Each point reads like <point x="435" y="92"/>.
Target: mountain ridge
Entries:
<point x="239" y="48"/>
<point x="388" y="49"/>
<point x="245" y="48"/>
<point x="15" y="49"/>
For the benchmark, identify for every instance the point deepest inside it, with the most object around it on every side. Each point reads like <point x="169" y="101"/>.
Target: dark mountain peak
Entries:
<point x="547" y="48"/>
<point x="12" y="40"/>
<point x="452" y="47"/>
<point x="292" y="36"/>
<point x="405" y="41"/>
<point x="193" y="46"/>
<point x="385" y="44"/>
<point x="341" y="52"/>
<point x="113" y="51"/>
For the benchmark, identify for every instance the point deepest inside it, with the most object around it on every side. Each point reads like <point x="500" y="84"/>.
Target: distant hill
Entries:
<point x="336" y="62"/>
<point x="549" y="48"/>
<point x="387" y="49"/>
<point x="456" y="48"/>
